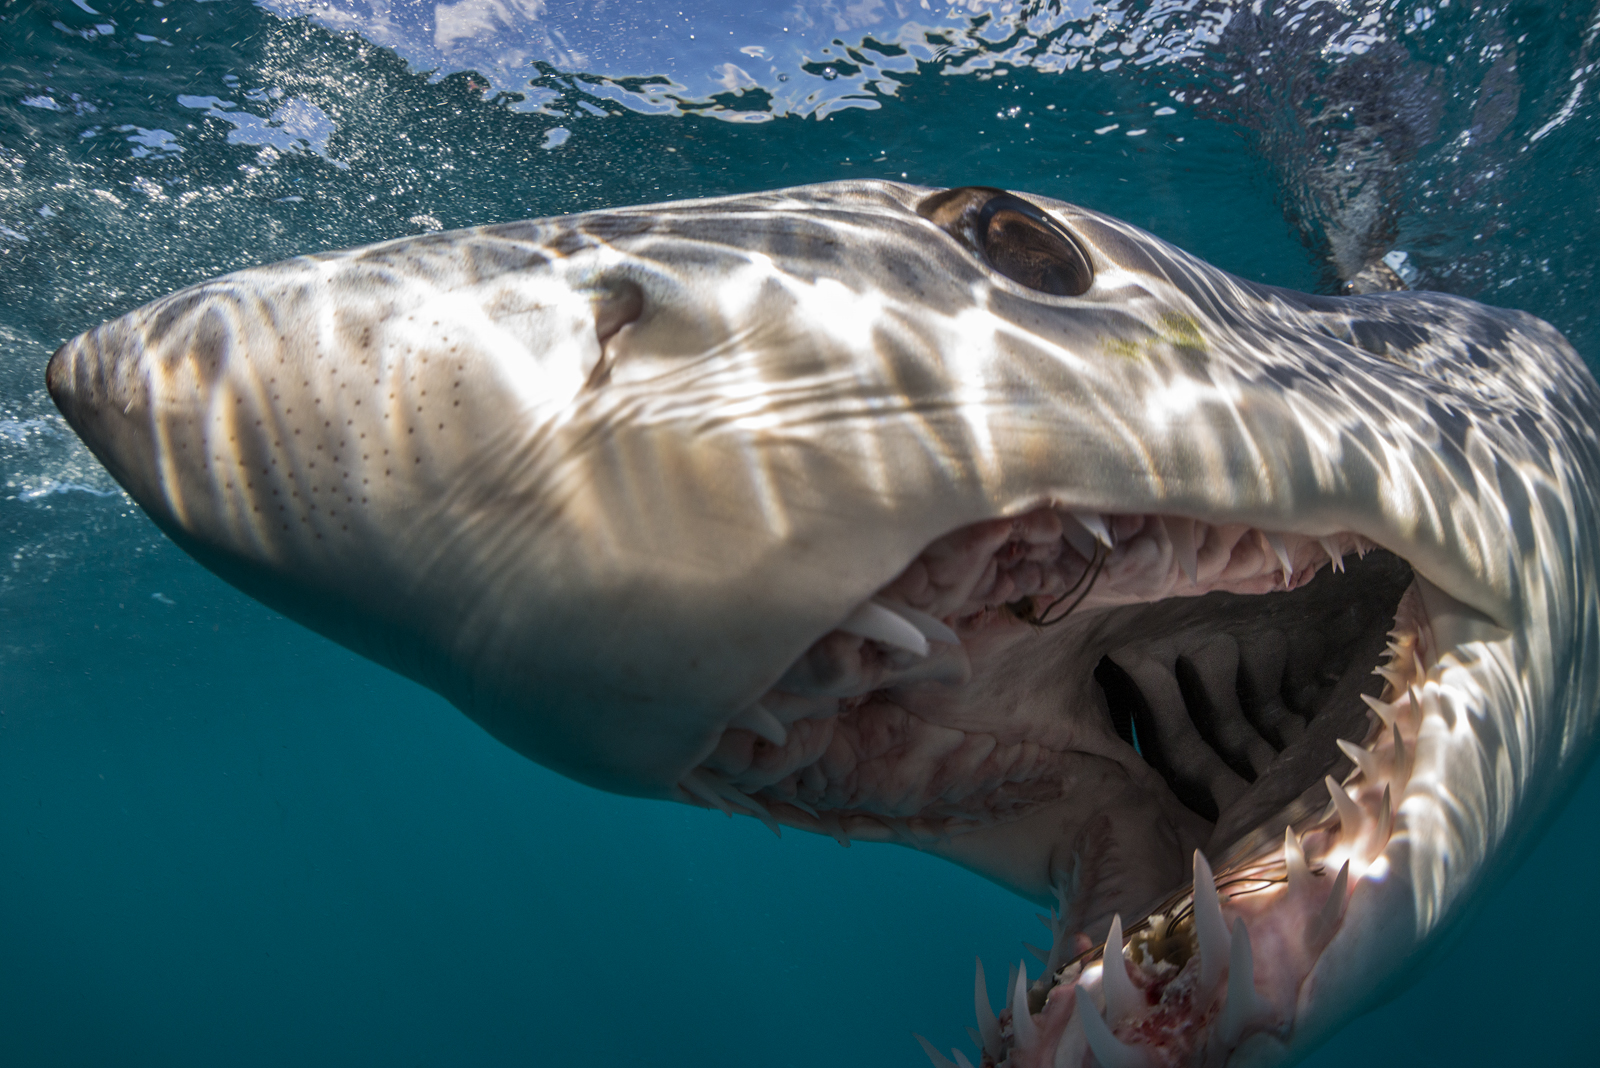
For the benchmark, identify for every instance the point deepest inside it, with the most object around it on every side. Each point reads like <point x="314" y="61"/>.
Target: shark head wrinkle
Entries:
<point x="1248" y="631"/>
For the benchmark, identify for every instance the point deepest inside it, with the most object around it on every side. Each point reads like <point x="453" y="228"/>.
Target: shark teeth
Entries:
<point x="874" y="621"/>
<point x="931" y="628"/>
<point x="1281" y="551"/>
<point x="1181" y="534"/>
<point x="1095" y="524"/>
<point x="1294" y="859"/>
<point x="710" y="788"/>
<point x="694" y="785"/>
<point x="1123" y="999"/>
<point x="1332" y="910"/>
<point x="1382" y="709"/>
<point x="760" y="722"/>
<point x="1210" y="929"/>
<point x="1078" y="536"/>
<point x="940" y="1060"/>
<point x="1024" y="1032"/>
<point x="1365" y="760"/>
<point x="1399" y="759"/>
<point x="988" y="1026"/>
<point x="1335" y="554"/>
<point x="1351" y="817"/>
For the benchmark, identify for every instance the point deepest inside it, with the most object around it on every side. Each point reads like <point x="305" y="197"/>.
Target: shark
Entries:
<point x="1249" y="631"/>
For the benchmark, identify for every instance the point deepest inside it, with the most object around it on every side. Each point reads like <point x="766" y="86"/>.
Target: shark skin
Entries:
<point x="1250" y="630"/>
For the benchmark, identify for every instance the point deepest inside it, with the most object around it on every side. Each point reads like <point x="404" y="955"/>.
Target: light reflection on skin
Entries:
<point x="607" y="575"/>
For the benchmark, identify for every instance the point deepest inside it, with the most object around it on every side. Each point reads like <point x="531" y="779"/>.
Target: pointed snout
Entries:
<point x="130" y="401"/>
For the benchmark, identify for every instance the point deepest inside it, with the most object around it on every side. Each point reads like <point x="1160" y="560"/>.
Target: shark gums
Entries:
<point x="1251" y="631"/>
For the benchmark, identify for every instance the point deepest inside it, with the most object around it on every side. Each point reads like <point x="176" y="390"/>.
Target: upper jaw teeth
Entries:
<point x="896" y="625"/>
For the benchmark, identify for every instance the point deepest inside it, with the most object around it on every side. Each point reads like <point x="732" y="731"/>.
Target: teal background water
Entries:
<point x="224" y="840"/>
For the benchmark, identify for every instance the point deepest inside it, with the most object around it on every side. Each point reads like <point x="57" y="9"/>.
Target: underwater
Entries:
<point x="225" y="839"/>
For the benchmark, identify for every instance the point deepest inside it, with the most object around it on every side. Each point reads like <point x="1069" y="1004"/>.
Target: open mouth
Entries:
<point x="1086" y="707"/>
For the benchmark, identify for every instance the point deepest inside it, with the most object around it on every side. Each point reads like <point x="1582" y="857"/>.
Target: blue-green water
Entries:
<point x="225" y="841"/>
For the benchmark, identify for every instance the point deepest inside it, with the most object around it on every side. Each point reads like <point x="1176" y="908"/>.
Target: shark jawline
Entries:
<point x="1265" y="685"/>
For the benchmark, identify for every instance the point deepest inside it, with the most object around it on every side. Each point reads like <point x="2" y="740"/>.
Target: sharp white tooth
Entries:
<point x="1383" y="709"/>
<point x="759" y="721"/>
<point x="741" y="800"/>
<point x="1332" y="909"/>
<point x="1095" y="524"/>
<point x="988" y="1026"/>
<point x="1043" y="955"/>
<point x="695" y="786"/>
<point x="1364" y="759"/>
<point x="1282" y="552"/>
<point x="1181" y="531"/>
<point x="880" y="624"/>
<point x="1210" y="929"/>
<point x="1351" y="818"/>
<point x="1109" y="1050"/>
<point x="939" y="1060"/>
<point x="931" y="628"/>
<point x="1075" y="534"/>
<point x="977" y="1039"/>
<point x="961" y="1059"/>
<point x="1294" y="859"/>
<point x="1244" y="1005"/>
<point x="1335" y="554"/>
<point x="1388" y="674"/>
<point x="802" y="806"/>
<point x="1385" y="822"/>
<point x="1401" y="761"/>
<point x="1023" y="1030"/>
<point x="1123" y="999"/>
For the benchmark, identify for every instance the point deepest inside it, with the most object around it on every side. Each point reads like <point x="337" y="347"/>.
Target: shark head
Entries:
<point x="1247" y="629"/>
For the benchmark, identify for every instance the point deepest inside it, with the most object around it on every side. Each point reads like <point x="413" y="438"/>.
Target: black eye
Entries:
<point x="1034" y="253"/>
<point x="1016" y="238"/>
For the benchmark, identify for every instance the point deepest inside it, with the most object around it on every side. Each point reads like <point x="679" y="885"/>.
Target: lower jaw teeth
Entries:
<point x="1282" y="906"/>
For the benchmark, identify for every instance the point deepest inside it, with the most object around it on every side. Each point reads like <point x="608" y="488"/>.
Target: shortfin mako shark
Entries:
<point x="1251" y="631"/>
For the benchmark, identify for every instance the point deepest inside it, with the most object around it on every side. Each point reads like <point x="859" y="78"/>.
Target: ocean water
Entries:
<point x="224" y="840"/>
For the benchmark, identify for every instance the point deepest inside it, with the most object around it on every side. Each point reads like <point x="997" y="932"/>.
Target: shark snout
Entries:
<point x="100" y="384"/>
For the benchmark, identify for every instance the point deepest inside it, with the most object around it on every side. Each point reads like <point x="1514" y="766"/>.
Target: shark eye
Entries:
<point x="1014" y="237"/>
<point x="1030" y="249"/>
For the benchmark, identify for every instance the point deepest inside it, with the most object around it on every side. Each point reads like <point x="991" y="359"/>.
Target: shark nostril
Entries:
<point x="617" y="302"/>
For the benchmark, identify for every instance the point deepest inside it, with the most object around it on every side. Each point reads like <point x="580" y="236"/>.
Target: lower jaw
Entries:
<point x="1218" y="968"/>
<point x="1213" y="963"/>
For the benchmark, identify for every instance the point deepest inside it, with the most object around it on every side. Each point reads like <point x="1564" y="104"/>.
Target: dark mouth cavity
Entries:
<point x="1238" y="700"/>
